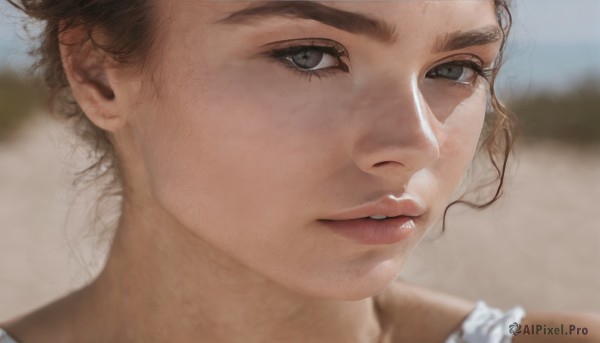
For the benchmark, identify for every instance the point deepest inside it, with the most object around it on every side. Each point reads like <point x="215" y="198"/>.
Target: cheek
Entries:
<point x="236" y="155"/>
<point x="462" y="130"/>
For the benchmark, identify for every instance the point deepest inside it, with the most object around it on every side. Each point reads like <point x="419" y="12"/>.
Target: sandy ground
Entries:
<point x="538" y="247"/>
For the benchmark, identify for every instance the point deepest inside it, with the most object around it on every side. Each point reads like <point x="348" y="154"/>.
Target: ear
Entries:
<point x="91" y="78"/>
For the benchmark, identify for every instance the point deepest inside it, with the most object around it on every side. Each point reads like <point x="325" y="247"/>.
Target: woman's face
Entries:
<point x="248" y="152"/>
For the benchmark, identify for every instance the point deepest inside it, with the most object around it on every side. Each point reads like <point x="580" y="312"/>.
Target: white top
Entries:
<point x="487" y="325"/>
<point x="484" y="324"/>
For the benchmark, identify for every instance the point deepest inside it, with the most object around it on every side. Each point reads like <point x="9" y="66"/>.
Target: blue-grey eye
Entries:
<point x="462" y="72"/>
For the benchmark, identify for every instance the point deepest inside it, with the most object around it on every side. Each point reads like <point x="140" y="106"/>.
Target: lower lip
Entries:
<point x="372" y="231"/>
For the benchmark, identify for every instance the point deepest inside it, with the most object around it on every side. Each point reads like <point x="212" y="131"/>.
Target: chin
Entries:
<point x="354" y="284"/>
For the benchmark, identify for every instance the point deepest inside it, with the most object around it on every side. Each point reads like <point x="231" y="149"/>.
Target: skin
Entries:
<point x="229" y="159"/>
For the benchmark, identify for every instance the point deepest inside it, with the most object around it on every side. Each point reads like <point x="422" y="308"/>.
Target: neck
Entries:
<point x="163" y="283"/>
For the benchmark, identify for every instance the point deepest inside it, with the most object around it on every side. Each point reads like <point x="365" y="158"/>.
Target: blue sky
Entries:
<point x="554" y="43"/>
<point x="557" y="21"/>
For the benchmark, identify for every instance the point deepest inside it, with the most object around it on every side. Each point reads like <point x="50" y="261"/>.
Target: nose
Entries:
<point x="399" y="133"/>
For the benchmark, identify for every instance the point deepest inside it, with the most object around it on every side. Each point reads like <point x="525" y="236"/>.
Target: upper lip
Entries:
<point x="389" y="206"/>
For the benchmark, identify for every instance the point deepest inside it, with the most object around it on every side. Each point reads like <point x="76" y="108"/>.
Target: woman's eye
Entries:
<point x="309" y="60"/>
<point x="464" y="72"/>
<point x="313" y="59"/>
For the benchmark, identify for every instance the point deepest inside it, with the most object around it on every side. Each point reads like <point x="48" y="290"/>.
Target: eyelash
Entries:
<point x="480" y="72"/>
<point x="330" y="48"/>
<point x="282" y="56"/>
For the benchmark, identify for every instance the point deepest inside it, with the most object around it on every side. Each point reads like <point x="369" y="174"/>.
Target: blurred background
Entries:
<point x="539" y="246"/>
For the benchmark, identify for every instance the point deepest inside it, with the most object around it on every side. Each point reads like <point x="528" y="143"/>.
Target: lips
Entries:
<point x="389" y="206"/>
<point x="372" y="231"/>
<point x="369" y="217"/>
<point x="402" y="212"/>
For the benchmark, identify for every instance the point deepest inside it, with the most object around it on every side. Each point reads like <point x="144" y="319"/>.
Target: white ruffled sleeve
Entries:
<point x="487" y="325"/>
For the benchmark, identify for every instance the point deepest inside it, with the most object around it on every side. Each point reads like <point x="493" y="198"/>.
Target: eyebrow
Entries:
<point x="308" y="9"/>
<point x="460" y="40"/>
<point x="357" y="23"/>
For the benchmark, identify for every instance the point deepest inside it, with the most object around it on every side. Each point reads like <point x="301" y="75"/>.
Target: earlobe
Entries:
<point x="88" y="71"/>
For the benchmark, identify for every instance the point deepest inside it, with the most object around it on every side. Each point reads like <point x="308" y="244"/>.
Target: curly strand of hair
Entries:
<point x="500" y="141"/>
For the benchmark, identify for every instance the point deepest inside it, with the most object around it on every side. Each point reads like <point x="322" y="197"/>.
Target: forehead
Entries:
<point x="426" y="28"/>
<point x="402" y="14"/>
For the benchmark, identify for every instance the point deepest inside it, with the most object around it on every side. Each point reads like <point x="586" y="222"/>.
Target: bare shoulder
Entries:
<point x="417" y="314"/>
<point x="563" y="327"/>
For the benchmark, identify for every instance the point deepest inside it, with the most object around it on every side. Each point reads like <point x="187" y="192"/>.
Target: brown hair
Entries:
<point x="128" y="24"/>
